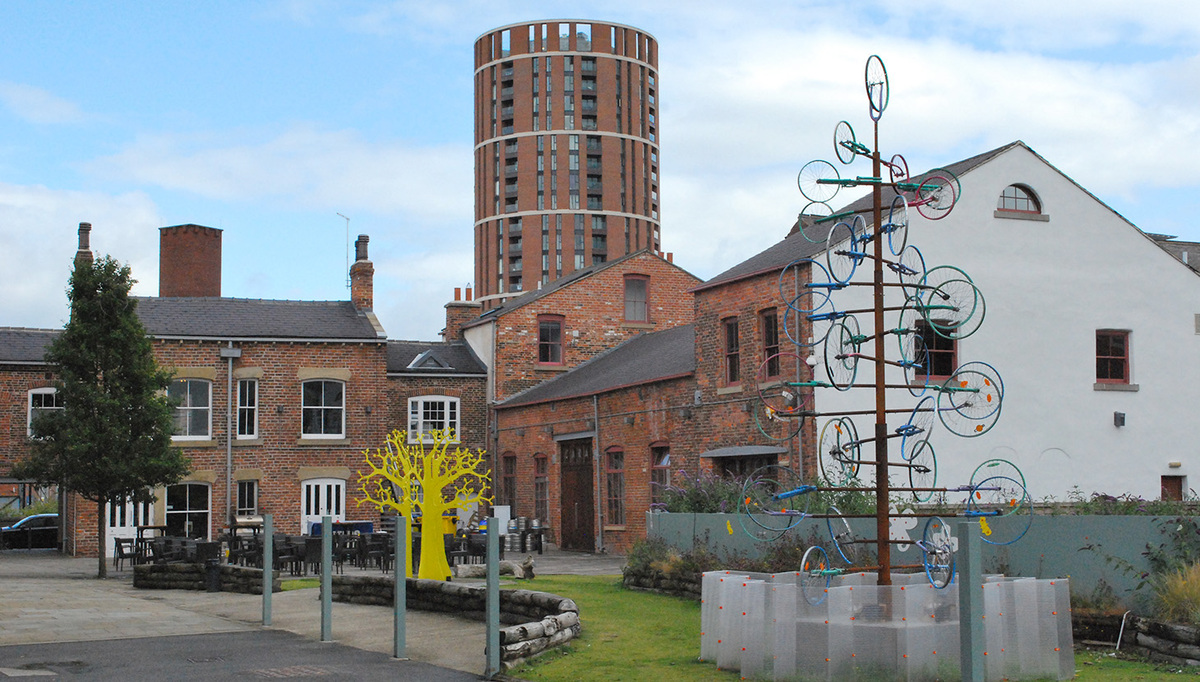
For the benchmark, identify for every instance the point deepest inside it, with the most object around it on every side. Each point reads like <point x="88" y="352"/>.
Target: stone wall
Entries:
<point x="654" y="580"/>
<point x="193" y="577"/>
<point x="537" y="621"/>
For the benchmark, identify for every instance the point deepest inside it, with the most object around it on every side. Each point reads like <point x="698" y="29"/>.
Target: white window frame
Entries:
<point x="48" y="390"/>
<point x="207" y="409"/>
<point x="246" y="511"/>
<point x="250" y="407"/>
<point x="417" y="426"/>
<point x="340" y="408"/>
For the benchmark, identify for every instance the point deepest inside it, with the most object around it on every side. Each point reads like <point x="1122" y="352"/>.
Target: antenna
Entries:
<point x="347" y="270"/>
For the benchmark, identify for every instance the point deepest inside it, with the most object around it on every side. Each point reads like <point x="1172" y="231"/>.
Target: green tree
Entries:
<point x="112" y="442"/>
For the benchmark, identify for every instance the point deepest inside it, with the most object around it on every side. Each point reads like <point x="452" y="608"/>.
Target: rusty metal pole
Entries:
<point x="882" y="531"/>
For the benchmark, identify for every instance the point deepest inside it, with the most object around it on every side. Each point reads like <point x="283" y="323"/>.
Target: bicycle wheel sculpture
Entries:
<point x="920" y="304"/>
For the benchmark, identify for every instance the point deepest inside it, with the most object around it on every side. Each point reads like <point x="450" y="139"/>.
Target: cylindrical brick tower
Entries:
<point x="566" y="151"/>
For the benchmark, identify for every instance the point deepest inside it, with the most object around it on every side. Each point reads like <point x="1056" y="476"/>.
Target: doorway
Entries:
<point x="578" y="499"/>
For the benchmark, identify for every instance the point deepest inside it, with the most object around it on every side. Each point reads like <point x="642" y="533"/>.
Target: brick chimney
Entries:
<point x="189" y="261"/>
<point x="84" y="252"/>
<point x="362" y="276"/>
<point x="458" y="313"/>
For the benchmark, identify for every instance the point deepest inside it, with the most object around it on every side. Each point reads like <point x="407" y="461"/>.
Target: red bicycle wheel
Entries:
<point x="936" y="197"/>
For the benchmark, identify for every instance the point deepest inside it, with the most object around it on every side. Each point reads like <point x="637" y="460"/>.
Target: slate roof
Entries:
<point x="248" y="318"/>
<point x="22" y="346"/>
<point x="1187" y="253"/>
<point x="796" y="245"/>
<point x="640" y="360"/>
<point x="434" y="358"/>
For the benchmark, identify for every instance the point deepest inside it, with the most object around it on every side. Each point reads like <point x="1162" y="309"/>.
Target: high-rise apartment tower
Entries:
<point x="566" y="151"/>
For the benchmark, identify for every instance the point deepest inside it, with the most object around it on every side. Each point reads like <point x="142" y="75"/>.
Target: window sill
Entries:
<point x="629" y="324"/>
<point x="1017" y="215"/>
<point x="194" y="442"/>
<point x="614" y="528"/>
<point x="726" y="390"/>
<point x="1129" y="388"/>
<point x="322" y="442"/>
<point x="551" y="368"/>
<point x="238" y="442"/>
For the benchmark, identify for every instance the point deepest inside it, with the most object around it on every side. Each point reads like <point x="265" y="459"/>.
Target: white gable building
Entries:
<point x="1064" y="279"/>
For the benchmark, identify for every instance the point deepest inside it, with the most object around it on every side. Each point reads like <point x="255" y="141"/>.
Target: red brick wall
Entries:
<point x="594" y="312"/>
<point x="189" y="261"/>
<point x="15" y="384"/>
<point x="472" y="405"/>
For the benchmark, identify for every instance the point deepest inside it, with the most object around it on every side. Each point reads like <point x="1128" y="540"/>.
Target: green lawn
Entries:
<point x="633" y="635"/>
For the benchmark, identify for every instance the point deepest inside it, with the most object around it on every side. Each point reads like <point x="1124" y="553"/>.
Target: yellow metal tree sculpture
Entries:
<point x="430" y="477"/>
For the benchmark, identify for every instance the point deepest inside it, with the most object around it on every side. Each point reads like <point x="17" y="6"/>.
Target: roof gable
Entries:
<point x="433" y="357"/>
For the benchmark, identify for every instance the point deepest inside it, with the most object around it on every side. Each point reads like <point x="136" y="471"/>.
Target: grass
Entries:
<point x="633" y="635"/>
<point x="1177" y="595"/>
<point x="299" y="584"/>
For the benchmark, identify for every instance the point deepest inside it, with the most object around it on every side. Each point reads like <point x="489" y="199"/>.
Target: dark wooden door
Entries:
<point x="578" y="502"/>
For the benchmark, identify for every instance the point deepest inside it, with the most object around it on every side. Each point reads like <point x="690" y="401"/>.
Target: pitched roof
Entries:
<point x="640" y="360"/>
<point x="1185" y="252"/>
<point x="246" y="318"/>
<point x="433" y="358"/>
<point x="558" y="284"/>
<point x="21" y="346"/>
<point x="797" y="245"/>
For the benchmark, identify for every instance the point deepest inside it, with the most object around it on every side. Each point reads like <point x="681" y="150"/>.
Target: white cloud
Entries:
<point x="304" y="166"/>
<point x="38" y="240"/>
<point x="37" y="105"/>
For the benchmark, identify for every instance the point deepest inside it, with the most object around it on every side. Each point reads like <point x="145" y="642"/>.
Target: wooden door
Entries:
<point x="578" y="501"/>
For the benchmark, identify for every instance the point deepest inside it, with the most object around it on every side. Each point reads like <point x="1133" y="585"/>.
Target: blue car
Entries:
<point x="39" y="531"/>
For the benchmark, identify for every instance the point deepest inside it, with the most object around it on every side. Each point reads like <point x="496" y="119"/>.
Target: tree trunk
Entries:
<point x="101" y="540"/>
<point x="434" y="565"/>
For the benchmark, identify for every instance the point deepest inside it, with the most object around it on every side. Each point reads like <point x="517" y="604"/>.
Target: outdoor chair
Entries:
<point x="123" y="548"/>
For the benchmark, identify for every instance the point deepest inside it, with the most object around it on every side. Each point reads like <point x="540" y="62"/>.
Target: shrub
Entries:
<point x="1177" y="595"/>
<point x="705" y="493"/>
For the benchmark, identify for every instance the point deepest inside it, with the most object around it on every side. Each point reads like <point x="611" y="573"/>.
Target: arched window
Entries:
<point x="1019" y="199"/>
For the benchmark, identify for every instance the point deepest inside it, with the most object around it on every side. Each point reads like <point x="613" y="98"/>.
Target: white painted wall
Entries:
<point x="1049" y="286"/>
<point x="482" y="340"/>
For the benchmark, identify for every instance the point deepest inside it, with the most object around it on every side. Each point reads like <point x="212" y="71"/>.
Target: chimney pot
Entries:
<point x="458" y="293"/>
<point x="468" y="296"/>
<point x="670" y="257"/>
<point x="362" y="276"/>
<point x="360" y="247"/>
<point x="85" y="233"/>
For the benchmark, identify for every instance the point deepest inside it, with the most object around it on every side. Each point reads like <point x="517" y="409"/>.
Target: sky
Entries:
<point x="269" y="119"/>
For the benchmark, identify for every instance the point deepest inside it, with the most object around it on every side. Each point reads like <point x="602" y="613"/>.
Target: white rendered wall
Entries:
<point x="1049" y="286"/>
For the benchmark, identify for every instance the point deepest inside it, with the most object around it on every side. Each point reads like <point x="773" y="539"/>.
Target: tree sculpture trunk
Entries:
<point x="101" y="540"/>
<point x="434" y="565"/>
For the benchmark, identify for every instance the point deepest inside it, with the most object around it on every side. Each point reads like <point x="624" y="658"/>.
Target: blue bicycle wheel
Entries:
<point x="814" y="578"/>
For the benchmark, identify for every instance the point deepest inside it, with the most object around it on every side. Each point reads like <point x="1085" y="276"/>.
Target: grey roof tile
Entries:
<point x="642" y="359"/>
<point x="19" y="345"/>
<point x="435" y="358"/>
<point x="211" y="317"/>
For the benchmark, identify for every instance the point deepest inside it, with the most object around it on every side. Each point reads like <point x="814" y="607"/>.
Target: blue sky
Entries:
<point x="267" y="119"/>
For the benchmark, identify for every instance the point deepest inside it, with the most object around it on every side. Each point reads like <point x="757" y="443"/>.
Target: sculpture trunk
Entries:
<point x="434" y="565"/>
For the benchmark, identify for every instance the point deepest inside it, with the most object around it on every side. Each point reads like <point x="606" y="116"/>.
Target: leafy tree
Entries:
<point x="435" y="480"/>
<point x="112" y="442"/>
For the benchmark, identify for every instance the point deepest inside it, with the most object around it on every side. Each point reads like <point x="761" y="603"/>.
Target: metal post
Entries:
<point x="971" y="635"/>
<point x="268" y="566"/>
<point x="400" y="591"/>
<point x="326" y="579"/>
<point x="492" y="649"/>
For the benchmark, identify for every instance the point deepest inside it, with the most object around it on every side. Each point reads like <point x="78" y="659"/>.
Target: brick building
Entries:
<point x="566" y="151"/>
<point x="278" y="399"/>
<point x="588" y="450"/>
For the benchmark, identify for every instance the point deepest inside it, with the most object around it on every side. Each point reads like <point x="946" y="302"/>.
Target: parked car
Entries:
<point x="39" y="531"/>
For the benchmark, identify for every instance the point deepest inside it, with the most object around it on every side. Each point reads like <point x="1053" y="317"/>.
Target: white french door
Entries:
<point x="123" y="520"/>
<point x="321" y="497"/>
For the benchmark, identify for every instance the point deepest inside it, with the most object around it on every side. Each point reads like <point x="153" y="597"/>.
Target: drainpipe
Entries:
<point x="229" y="353"/>
<point x="599" y="460"/>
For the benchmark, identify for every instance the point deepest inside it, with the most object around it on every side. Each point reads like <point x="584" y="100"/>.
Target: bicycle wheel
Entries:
<point x="918" y="428"/>
<point x="844" y="143"/>
<point x="844" y="541"/>
<point x="877" y="86"/>
<point x="1004" y="508"/>
<point x="923" y="472"/>
<point x="911" y="272"/>
<point x="810" y="177"/>
<point x="783" y="399"/>
<point x="776" y="426"/>
<point x="841" y="359"/>
<point x="997" y="467"/>
<point x="955" y="309"/>
<point x="937" y="545"/>
<point x="969" y="403"/>
<point x="849" y="450"/>
<point x="830" y="458"/>
<point x="936" y="197"/>
<point x="897" y="231"/>
<point x="775" y="500"/>
<point x="811" y="221"/>
<point x="989" y="371"/>
<point x="798" y="277"/>
<point x="946" y="173"/>
<point x="814" y="581"/>
<point x="801" y="330"/>
<point x="897" y="169"/>
<point x="916" y="364"/>
<point x="841" y="255"/>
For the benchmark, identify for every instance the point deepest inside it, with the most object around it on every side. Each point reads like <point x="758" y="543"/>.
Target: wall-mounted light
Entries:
<point x="367" y="409"/>
<point x="1118" y="419"/>
<point x="279" y="409"/>
<point x="1175" y="465"/>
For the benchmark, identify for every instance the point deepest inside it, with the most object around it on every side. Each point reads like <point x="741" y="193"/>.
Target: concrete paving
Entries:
<point x="49" y="599"/>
